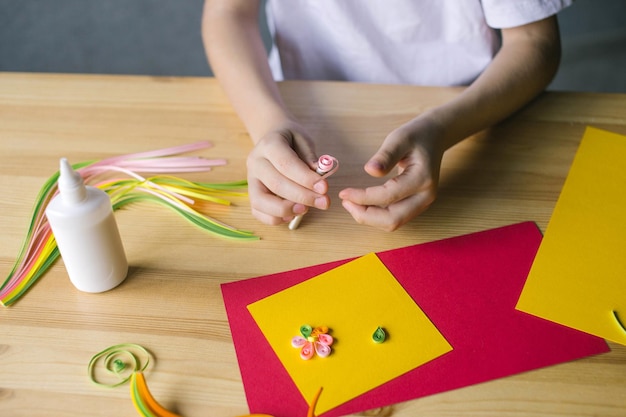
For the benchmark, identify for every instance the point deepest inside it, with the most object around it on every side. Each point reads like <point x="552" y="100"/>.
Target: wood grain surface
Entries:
<point x="171" y="301"/>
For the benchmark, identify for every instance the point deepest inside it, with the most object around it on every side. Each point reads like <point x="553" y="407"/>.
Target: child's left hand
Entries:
<point x="416" y="149"/>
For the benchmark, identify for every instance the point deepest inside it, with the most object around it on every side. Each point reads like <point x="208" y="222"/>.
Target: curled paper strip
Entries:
<point x="39" y="249"/>
<point x="118" y="363"/>
<point x="306" y="330"/>
<point x="126" y="362"/>
<point x="379" y="335"/>
<point x="327" y="165"/>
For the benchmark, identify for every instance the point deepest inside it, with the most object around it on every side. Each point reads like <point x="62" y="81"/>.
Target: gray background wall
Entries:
<point x="162" y="37"/>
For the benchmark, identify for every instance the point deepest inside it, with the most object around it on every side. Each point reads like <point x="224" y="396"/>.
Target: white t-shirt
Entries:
<point x="420" y="42"/>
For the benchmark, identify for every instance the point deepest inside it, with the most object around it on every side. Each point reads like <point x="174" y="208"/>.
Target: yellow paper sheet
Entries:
<point x="578" y="277"/>
<point x="352" y="301"/>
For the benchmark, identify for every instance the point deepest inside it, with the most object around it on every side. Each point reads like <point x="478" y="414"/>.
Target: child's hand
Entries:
<point x="282" y="182"/>
<point x="416" y="150"/>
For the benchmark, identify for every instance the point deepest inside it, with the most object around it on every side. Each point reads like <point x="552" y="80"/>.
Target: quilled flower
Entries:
<point x="313" y="340"/>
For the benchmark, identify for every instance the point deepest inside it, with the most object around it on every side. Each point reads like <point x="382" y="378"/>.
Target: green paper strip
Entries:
<point x="128" y="353"/>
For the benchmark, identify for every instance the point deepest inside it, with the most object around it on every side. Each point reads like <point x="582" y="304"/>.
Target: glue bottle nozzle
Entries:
<point x="71" y="184"/>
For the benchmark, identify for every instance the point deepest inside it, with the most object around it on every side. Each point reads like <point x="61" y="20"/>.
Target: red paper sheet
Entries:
<point x="467" y="285"/>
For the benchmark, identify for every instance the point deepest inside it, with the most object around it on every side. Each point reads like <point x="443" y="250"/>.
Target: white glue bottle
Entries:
<point x="82" y="221"/>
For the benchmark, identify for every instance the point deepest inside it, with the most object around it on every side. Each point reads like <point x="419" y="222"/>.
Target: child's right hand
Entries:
<point x="282" y="181"/>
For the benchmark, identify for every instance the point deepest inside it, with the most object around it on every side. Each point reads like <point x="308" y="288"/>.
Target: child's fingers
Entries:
<point x="391" y="217"/>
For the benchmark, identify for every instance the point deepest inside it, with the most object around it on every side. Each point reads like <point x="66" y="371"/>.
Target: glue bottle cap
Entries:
<point x="71" y="184"/>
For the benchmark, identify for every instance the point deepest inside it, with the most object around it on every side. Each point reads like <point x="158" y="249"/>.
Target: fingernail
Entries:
<point x="374" y="164"/>
<point x="319" y="187"/>
<point x="321" y="203"/>
<point x="299" y="209"/>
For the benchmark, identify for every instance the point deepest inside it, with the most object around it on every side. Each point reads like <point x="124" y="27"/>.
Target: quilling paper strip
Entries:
<point x="115" y="365"/>
<point x="147" y="406"/>
<point x="127" y="362"/>
<point x="144" y="402"/>
<point x="39" y="249"/>
<point x="123" y="363"/>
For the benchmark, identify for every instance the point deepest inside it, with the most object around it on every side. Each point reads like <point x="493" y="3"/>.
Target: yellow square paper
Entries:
<point x="578" y="278"/>
<point x="352" y="300"/>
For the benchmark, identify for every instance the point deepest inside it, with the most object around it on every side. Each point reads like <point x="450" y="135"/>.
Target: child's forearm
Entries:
<point x="524" y="66"/>
<point x="238" y="59"/>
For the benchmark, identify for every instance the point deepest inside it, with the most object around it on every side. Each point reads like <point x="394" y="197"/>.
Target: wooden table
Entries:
<point x="171" y="302"/>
